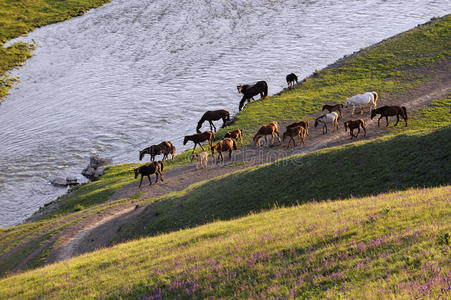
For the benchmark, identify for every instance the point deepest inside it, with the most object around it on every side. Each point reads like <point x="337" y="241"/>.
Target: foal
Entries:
<point x="149" y="169"/>
<point x="355" y="124"/>
<point x="388" y="111"/>
<point x="200" y="158"/>
<point x="292" y="133"/>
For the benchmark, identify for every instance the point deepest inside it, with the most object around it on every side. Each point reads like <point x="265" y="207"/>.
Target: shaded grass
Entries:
<point x="387" y="246"/>
<point x="395" y="162"/>
<point x="20" y="17"/>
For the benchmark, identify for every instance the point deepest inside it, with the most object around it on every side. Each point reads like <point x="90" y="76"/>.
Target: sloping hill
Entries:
<point x="390" y="245"/>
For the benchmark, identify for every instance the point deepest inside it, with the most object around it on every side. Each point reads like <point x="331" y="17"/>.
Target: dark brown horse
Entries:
<point x="198" y="138"/>
<point x="293" y="132"/>
<point x="337" y="108"/>
<point x="269" y="129"/>
<point x="303" y="124"/>
<point x="164" y="148"/>
<point x="355" y="124"/>
<point x="291" y="79"/>
<point x="235" y="134"/>
<point x="226" y="144"/>
<point x="149" y="169"/>
<point x="388" y="111"/>
<point x="213" y="115"/>
<point x="251" y="90"/>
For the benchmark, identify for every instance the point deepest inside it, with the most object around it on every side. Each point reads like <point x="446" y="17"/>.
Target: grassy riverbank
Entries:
<point x="390" y="245"/>
<point x="391" y="66"/>
<point x="18" y="18"/>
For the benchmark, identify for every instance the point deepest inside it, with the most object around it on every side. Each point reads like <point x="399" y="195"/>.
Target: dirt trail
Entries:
<point x="98" y="229"/>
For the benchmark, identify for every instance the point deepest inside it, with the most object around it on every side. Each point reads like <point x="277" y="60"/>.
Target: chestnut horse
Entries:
<point x="235" y="134"/>
<point x="355" y="124"/>
<point x="213" y="115"/>
<point x="270" y="129"/>
<point x="149" y="169"/>
<point x="198" y="138"/>
<point x="165" y="147"/>
<point x="291" y="78"/>
<point x="251" y="90"/>
<point x="292" y="132"/>
<point x="388" y="111"/>
<point x="303" y="124"/>
<point x="226" y="144"/>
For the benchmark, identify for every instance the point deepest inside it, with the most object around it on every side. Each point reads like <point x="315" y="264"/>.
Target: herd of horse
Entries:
<point x="297" y="129"/>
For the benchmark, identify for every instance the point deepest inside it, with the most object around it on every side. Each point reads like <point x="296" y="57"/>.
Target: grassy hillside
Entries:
<point x="390" y="245"/>
<point x="18" y="17"/>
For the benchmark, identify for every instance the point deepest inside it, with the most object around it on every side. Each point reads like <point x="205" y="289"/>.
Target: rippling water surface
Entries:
<point x="137" y="72"/>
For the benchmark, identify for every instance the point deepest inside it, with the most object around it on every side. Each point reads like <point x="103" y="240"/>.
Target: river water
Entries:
<point x="137" y="72"/>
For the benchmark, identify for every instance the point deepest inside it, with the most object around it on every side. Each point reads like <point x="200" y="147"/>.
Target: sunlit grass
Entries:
<point x="390" y="245"/>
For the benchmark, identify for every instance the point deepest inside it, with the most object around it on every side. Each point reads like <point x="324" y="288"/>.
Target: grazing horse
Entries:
<point x="292" y="132"/>
<point x="198" y="138"/>
<point x="165" y="147"/>
<point x="360" y="100"/>
<point x="251" y="90"/>
<point x="355" y="124"/>
<point x="213" y="115"/>
<point x="291" y="78"/>
<point x="226" y="144"/>
<point x="386" y="111"/>
<point x="271" y="128"/>
<point x="149" y="169"/>
<point x="235" y="134"/>
<point x="324" y="119"/>
<point x="303" y="124"/>
<point x="337" y="108"/>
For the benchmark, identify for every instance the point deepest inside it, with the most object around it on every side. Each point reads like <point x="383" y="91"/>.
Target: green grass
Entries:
<point x="394" y="162"/>
<point x="385" y="246"/>
<point x="18" y="17"/>
<point x="390" y="66"/>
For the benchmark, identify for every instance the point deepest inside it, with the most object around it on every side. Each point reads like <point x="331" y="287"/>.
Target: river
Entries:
<point x="134" y="73"/>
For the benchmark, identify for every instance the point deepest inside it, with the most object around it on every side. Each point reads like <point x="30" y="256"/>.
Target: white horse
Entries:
<point x="360" y="100"/>
<point x="328" y="118"/>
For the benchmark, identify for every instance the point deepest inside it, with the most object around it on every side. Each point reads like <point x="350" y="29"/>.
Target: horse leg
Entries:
<point x="141" y="181"/>
<point x="397" y="119"/>
<point x="358" y="131"/>
<point x="201" y="147"/>
<point x="379" y="120"/>
<point x="150" y="181"/>
<point x="195" y="144"/>
<point x="386" y="118"/>
<point x="230" y="153"/>
<point x="242" y="102"/>
<point x="364" y="130"/>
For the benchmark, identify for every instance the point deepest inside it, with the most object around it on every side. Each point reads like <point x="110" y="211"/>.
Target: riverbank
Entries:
<point x="94" y="216"/>
<point x="20" y="18"/>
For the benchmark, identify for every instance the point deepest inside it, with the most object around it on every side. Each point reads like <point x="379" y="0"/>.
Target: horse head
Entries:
<point x="141" y="154"/>
<point x="373" y="114"/>
<point x="239" y="88"/>
<point x="185" y="140"/>
<point x="347" y="103"/>
<point x="136" y="172"/>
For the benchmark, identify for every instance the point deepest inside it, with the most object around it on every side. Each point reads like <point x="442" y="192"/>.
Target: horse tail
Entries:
<point x="324" y="107"/>
<point x="375" y="96"/>
<point x="405" y="112"/>
<point x="265" y="89"/>
<point x="228" y="115"/>
<point x="161" y="166"/>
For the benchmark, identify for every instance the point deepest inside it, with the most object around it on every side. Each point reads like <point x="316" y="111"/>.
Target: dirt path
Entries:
<point x="97" y="232"/>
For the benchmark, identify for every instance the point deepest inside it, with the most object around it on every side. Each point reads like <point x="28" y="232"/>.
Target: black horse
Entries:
<point x="291" y="79"/>
<point x="251" y="90"/>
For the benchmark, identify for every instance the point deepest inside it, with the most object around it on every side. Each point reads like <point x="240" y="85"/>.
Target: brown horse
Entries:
<point x="388" y="111"/>
<point x="149" y="169"/>
<point x="251" y="90"/>
<point x="355" y="124"/>
<point x="337" y="108"/>
<point x="226" y="144"/>
<point x="213" y="115"/>
<point x="292" y="132"/>
<point x="235" y="134"/>
<point x="164" y="148"/>
<point x="269" y="129"/>
<point x="198" y="138"/>
<point x="291" y="79"/>
<point x="303" y="124"/>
